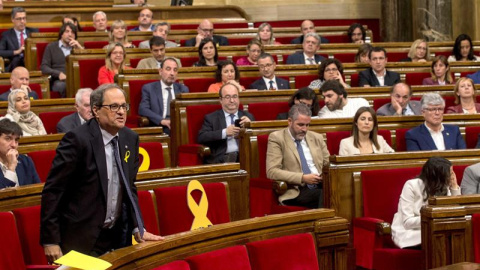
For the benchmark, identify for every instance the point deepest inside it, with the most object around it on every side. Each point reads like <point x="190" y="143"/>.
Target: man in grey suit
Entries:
<point x="401" y="104"/>
<point x="471" y="180"/>
<point x="83" y="114"/>
<point x="12" y="44"/>
<point x="157" y="48"/>
<point x="156" y="96"/>
<point x="311" y="44"/>
<point x="266" y="66"/>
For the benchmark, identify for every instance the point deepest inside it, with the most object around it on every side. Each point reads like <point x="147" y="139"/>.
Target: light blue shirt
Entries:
<point x="65" y="49"/>
<point x="232" y="145"/>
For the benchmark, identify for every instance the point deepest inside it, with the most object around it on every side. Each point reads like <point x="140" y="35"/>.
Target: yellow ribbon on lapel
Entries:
<point x="200" y="210"/>
<point x="146" y="160"/>
<point x="127" y="155"/>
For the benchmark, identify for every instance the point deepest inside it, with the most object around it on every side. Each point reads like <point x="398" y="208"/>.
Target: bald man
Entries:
<point x="205" y="30"/>
<point x="19" y="79"/>
<point x="306" y="27"/>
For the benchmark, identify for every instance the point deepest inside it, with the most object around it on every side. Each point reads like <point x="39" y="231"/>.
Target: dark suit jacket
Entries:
<point x="53" y="61"/>
<point x="387" y="109"/>
<point x="26" y="173"/>
<point x="260" y="84"/>
<point x="419" y="139"/>
<point x="4" y="95"/>
<point x="151" y="105"/>
<point x="68" y="123"/>
<point x="9" y="43"/>
<point x="220" y="40"/>
<point x="282" y="116"/>
<point x="458" y="108"/>
<point x="211" y="134"/>
<point x="299" y="59"/>
<point x="299" y="40"/>
<point x="75" y="193"/>
<point x="368" y="77"/>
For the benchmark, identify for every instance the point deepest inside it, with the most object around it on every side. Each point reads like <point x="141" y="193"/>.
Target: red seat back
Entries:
<point x="476" y="237"/>
<point x="354" y="80"/>
<point x="459" y="169"/>
<point x="88" y="69"/>
<point x="379" y="102"/>
<point x="416" y="78"/>
<point x="147" y="207"/>
<point x="155" y="153"/>
<point x="195" y="117"/>
<point x="175" y="265"/>
<point x="99" y="44"/>
<point x="239" y="41"/>
<point x="28" y="224"/>
<point x="51" y="119"/>
<point x="304" y="80"/>
<point x="236" y="258"/>
<point x="382" y="189"/>
<point x="263" y="111"/>
<point x="333" y="140"/>
<point x="40" y="50"/>
<point x="471" y="136"/>
<point x="396" y="56"/>
<point x="449" y="101"/>
<point x="400" y="142"/>
<point x="134" y="62"/>
<point x="197" y="85"/>
<point x="386" y="134"/>
<point x="338" y="38"/>
<point x="247" y="81"/>
<point x="174" y="216"/>
<point x="278" y="254"/>
<point x="345" y="57"/>
<point x="135" y="96"/>
<point x="11" y="256"/>
<point x="42" y="161"/>
<point x="188" y="61"/>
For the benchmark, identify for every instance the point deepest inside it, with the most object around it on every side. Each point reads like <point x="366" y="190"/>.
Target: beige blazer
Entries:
<point x="283" y="161"/>
<point x="348" y="149"/>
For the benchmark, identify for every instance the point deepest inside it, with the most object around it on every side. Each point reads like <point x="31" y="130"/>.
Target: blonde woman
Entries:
<point x="114" y="63"/>
<point x="465" y="100"/>
<point x="118" y="34"/>
<point x="419" y="52"/>
<point x="265" y="34"/>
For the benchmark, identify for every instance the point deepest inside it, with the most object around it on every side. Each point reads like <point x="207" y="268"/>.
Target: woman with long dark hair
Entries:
<point x="207" y="53"/>
<point x="463" y="50"/>
<point x="441" y="74"/>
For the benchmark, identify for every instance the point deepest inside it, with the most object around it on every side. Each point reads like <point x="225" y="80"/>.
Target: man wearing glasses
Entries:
<point x="266" y="66"/>
<point x="220" y="129"/>
<point x="12" y="44"/>
<point x="89" y="201"/>
<point x="205" y="30"/>
<point x="433" y="135"/>
<point x="377" y="74"/>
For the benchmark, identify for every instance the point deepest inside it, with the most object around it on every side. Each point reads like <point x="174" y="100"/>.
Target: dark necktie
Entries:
<point x="311" y="61"/>
<point x="126" y="184"/>
<point x="22" y="39"/>
<point x="404" y="111"/>
<point x="232" y="119"/>
<point x="169" y="98"/>
<point x="303" y="160"/>
<point x="271" y="85"/>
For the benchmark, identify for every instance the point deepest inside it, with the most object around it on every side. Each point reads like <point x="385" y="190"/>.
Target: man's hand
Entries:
<point x="19" y="51"/>
<point x="62" y="76"/>
<point x="396" y="106"/>
<point x="311" y="179"/>
<point x="198" y="39"/>
<point x="165" y="122"/>
<point x="244" y="119"/>
<point x="360" y="41"/>
<point x="453" y="181"/>
<point x="12" y="159"/>
<point x="147" y="237"/>
<point x="26" y="88"/>
<point x="52" y="253"/>
<point x="75" y="44"/>
<point x="232" y="130"/>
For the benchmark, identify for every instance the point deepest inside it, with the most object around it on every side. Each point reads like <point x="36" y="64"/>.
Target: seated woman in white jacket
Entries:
<point x="436" y="179"/>
<point x="364" y="139"/>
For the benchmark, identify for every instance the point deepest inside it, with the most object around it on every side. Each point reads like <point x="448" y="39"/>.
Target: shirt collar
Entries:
<point x="164" y="85"/>
<point x="107" y="137"/>
<point x="228" y="114"/>
<point x="431" y="131"/>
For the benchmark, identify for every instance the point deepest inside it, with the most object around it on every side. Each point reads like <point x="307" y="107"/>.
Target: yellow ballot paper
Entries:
<point x="78" y="260"/>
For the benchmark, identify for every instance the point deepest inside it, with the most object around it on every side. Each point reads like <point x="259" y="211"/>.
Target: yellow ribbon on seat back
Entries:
<point x="146" y="159"/>
<point x="199" y="210"/>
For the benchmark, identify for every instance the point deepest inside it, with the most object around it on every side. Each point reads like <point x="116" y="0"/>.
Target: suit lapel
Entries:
<point x="427" y="137"/>
<point x="374" y="78"/>
<point x="291" y="145"/>
<point x="221" y="119"/>
<point x="159" y="96"/>
<point x="125" y="153"/>
<point x="447" y="138"/>
<point x="14" y="39"/>
<point x="99" y="153"/>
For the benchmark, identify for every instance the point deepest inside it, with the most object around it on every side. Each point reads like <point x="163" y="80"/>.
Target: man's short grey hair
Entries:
<point x="312" y="34"/>
<point x="16" y="10"/>
<point x="99" y="13"/>
<point x="298" y="109"/>
<point x="97" y="96"/>
<point x="432" y="99"/>
<point x="155" y="26"/>
<point x="80" y="93"/>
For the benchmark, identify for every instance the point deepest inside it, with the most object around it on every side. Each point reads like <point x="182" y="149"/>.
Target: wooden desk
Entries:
<point x="460" y="266"/>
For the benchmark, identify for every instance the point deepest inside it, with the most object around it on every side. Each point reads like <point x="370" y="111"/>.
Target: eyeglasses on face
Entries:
<point x="115" y="107"/>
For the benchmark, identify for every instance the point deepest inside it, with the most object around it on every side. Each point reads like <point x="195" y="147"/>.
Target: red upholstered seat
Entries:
<point x="400" y="142"/>
<point x="304" y="80"/>
<point x="416" y="78"/>
<point x="379" y="102"/>
<point x="444" y="53"/>
<point x="354" y="80"/>
<point x="449" y="101"/>
<point x="386" y="134"/>
<point x="397" y="259"/>
<point x="147" y="207"/>
<point x="188" y="61"/>
<point x="51" y="119"/>
<point x="174" y="216"/>
<point x="476" y="237"/>
<point x="465" y="73"/>
<point x="396" y="56"/>
<point x="99" y="44"/>
<point x="381" y="192"/>
<point x="338" y="39"/>
<point x="284" y="253"/>
<point x="345" y="57"/>
<point x="231" y="258"/>
<point x="11" y="256"/>
<point x="134" y="62"/>
<point x="88" y="69"/>
<point x="247" y="81"/>
<point x="197" y="85"/>
<point x="28" y="225"/>
<point x="155" y="154"/>
<point x="40" y="50"/>
<point x="471" y="136"/>
<point x="459" y="169"/>
<point x="264" y="111"/>
<point x="333" y="140"/>
<point x="239" y="41"/>
<point x="176" y="265"/>
<point x="43" y="162"/>
<point x="135" y="96"/>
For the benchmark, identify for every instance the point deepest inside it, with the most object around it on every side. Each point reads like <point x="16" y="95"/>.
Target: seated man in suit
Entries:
<point x="157" y="48"/>
<point x="12" y="44"/>
<point x="307" y="26"/>
<point x="220" y="129"/>
<point x="377" y="74"/>
<point x="19" y="79"/>
<point x="311" y="44"/>
<point x="16" y="170"/>
<point x="401" y="104"/>
<point x="205" y="30"/>
<point x="83" y="114"/>
<point x="54" y="62"/>
<point x="336" y="102"/>
<point x="156" y="96"/>
<point x="100" y="21"/>
<point x="433" y="135"/>
<point x="145" y="18"/>
<point x="160" y="29"/>
<point x="471" y="180"/>
<point x="266" y="66"/>
<point x="296" y="156"/>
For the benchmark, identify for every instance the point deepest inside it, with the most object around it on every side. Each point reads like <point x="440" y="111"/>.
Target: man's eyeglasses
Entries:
<point x="230" y="97"/>
<point x="115" y="107"/>
<point x="207" y="30"/>
<point x="265" y="66"/>
<point x="435" y="110"/>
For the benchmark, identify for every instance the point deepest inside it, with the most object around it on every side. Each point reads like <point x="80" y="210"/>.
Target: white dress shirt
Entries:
<point x="437" y="137"/>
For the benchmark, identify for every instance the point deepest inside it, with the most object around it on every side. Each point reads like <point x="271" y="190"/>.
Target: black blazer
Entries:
<point x="9" y="43"/>
<point x="68" y="123"/>
<point x="299" y="59"/>
<point x="220" y="40"/>
<point x="75" y="193"/>
<point x="211" y="134"/>
<point x="4" y="95"/>
<point x="367" y="77"/>
<point x="26" y="173"/>
<point x="299" y="40"/>
<point x="260" y="84"/>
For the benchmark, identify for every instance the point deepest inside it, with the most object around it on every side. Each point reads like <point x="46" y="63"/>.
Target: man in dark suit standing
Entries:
<point x="156" y="96"/>
<point x="17" y="170"/>
<point x="89" y="201"/>
<point x="12" y="44"/>
<point x="377" y="74"/>
<point x="220" y="129"/>
<point x="266" y="66"/>
<point x="311" y="44"/>
<point x="82" y="115"/>
<point x="205" y="30"/>
<point x="401" y="94"/>
<point x="19" y="79"/>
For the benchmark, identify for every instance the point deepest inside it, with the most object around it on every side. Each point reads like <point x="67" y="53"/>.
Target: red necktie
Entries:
<point x="22" y="39"/>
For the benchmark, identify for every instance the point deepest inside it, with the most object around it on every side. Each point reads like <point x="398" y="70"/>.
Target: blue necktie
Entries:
<point x="232" y="119"/>
<point x="303" y="160"/>
<point x="127" y="186"/>
<point x="169" y="99"/>
<point x="271" y="85"/>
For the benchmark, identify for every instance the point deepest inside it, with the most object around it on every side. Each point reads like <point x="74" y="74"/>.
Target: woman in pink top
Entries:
<point x="226" y="71"/>
<point x="114" y="63"/>
<point x="254" y="50"/>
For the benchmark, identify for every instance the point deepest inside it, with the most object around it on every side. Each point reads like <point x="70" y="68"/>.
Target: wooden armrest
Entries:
<point x="280" y="187"/>
<point x="383" y="228"/>
<point x="143" y="121"/>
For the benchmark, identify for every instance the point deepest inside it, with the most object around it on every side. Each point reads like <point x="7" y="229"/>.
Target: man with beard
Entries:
<point x="297" y="156"/>
<point x="336" y="102"/>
